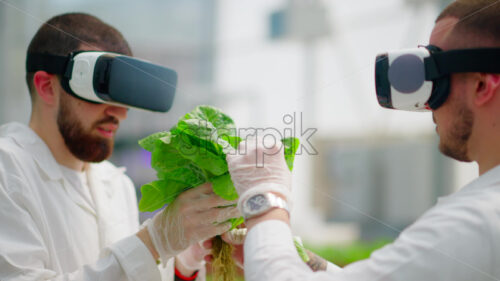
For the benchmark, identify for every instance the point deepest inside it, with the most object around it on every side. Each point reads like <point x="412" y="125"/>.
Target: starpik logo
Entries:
<point x="227" y="139"/>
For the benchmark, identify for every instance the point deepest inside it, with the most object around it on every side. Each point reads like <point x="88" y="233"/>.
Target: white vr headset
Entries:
<point x="419" y="79"/>
<point x="104" y="77"/>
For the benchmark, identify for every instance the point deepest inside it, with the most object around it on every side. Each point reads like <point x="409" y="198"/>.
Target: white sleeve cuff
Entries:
<point x="270" y="253"/>
<point x="135" y="259"/>
<point x="270" y="233"/>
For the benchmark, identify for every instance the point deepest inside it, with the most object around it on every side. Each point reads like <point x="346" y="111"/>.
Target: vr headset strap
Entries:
<point x="51" y="63"/>
<point x="56" y="65"/>
<point x="486" y="60"/>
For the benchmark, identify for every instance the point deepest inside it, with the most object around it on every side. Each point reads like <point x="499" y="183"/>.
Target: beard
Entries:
<point x="80" y="142"/>
<point x="454" y="144"/>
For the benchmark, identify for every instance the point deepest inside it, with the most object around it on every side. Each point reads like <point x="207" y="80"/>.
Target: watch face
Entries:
<point x="257" y="203"/>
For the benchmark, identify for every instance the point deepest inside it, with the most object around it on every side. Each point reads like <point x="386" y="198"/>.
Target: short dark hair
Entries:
<point x="69" y="32"/>
<point x="478" y="22"/>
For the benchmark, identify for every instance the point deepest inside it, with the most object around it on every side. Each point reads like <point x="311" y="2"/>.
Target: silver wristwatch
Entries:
<point x="261" y="203"/>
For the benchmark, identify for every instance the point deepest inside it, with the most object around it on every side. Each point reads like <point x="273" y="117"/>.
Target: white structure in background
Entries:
<point x="306" y="23"/>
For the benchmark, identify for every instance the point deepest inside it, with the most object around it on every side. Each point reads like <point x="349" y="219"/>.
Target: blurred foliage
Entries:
<point x="343" y="255"/>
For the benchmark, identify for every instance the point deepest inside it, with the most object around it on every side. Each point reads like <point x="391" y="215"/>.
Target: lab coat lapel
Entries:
<point x="31" y="142"/>
<point x="46" y="162"/>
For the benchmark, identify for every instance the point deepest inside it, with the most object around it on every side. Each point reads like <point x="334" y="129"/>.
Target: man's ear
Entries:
<point x="44" y="85"/>
<point x="486" y="88"/>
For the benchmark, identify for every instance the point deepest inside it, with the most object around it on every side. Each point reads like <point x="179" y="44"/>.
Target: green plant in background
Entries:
<point x="343" y="255"/>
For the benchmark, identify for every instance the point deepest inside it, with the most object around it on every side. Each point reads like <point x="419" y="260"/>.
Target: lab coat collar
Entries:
<point x="105" y="171"/>
<point x="486" y="180"/>
<point x="26" y="138"/>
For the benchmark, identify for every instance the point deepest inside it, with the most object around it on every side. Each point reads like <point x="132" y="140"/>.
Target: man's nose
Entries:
<point x="119" y="112"/>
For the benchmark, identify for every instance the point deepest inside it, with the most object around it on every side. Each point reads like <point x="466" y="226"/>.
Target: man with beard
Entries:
<point x="66" y="213"/>
<point x="458" y="239"/>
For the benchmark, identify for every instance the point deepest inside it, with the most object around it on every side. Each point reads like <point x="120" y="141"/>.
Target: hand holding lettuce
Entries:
<point x="195" y="215"/>
<point x="193" y="153"/>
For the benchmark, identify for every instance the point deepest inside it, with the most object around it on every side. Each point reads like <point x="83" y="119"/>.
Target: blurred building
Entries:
<point x="382" y="184"/>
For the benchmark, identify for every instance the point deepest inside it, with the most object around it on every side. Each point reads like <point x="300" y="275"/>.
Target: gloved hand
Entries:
<point x="193" y="258"/>
<point x="194" y="216"/>
<point x="258" y="166"/>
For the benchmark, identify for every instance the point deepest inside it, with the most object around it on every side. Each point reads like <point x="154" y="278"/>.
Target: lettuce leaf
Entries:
<point x="223" y="124"/>
<point x="224" y="187"/>
<point x="148" y="143"/>
<point x="213" y="162"/>
<point x="166" y="158"/>
<point x="191" y="175"/>
<point x="158" y="193"/>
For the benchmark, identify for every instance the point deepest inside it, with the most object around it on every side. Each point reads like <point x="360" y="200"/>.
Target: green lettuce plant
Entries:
<point x="192" y="153"/>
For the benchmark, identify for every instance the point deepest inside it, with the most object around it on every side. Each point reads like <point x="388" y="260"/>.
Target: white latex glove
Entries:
<point x="235" y="236"/>
<point x="194" y="216"/>
<point x="258" y="166"/>
<point x="193" y="258"/>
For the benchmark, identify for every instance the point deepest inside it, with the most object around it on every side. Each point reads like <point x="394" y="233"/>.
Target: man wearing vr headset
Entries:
<point x="458" y="78"/>
<point x="66" y="213"/>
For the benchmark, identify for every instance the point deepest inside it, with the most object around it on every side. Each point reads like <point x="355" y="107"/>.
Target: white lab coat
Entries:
<point x="458" y="239"/>
<point x="49" y="232"/>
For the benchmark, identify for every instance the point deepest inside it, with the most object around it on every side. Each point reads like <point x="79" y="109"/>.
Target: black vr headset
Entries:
<point x="419" y="79"/>
<point x="104" y="77"/>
